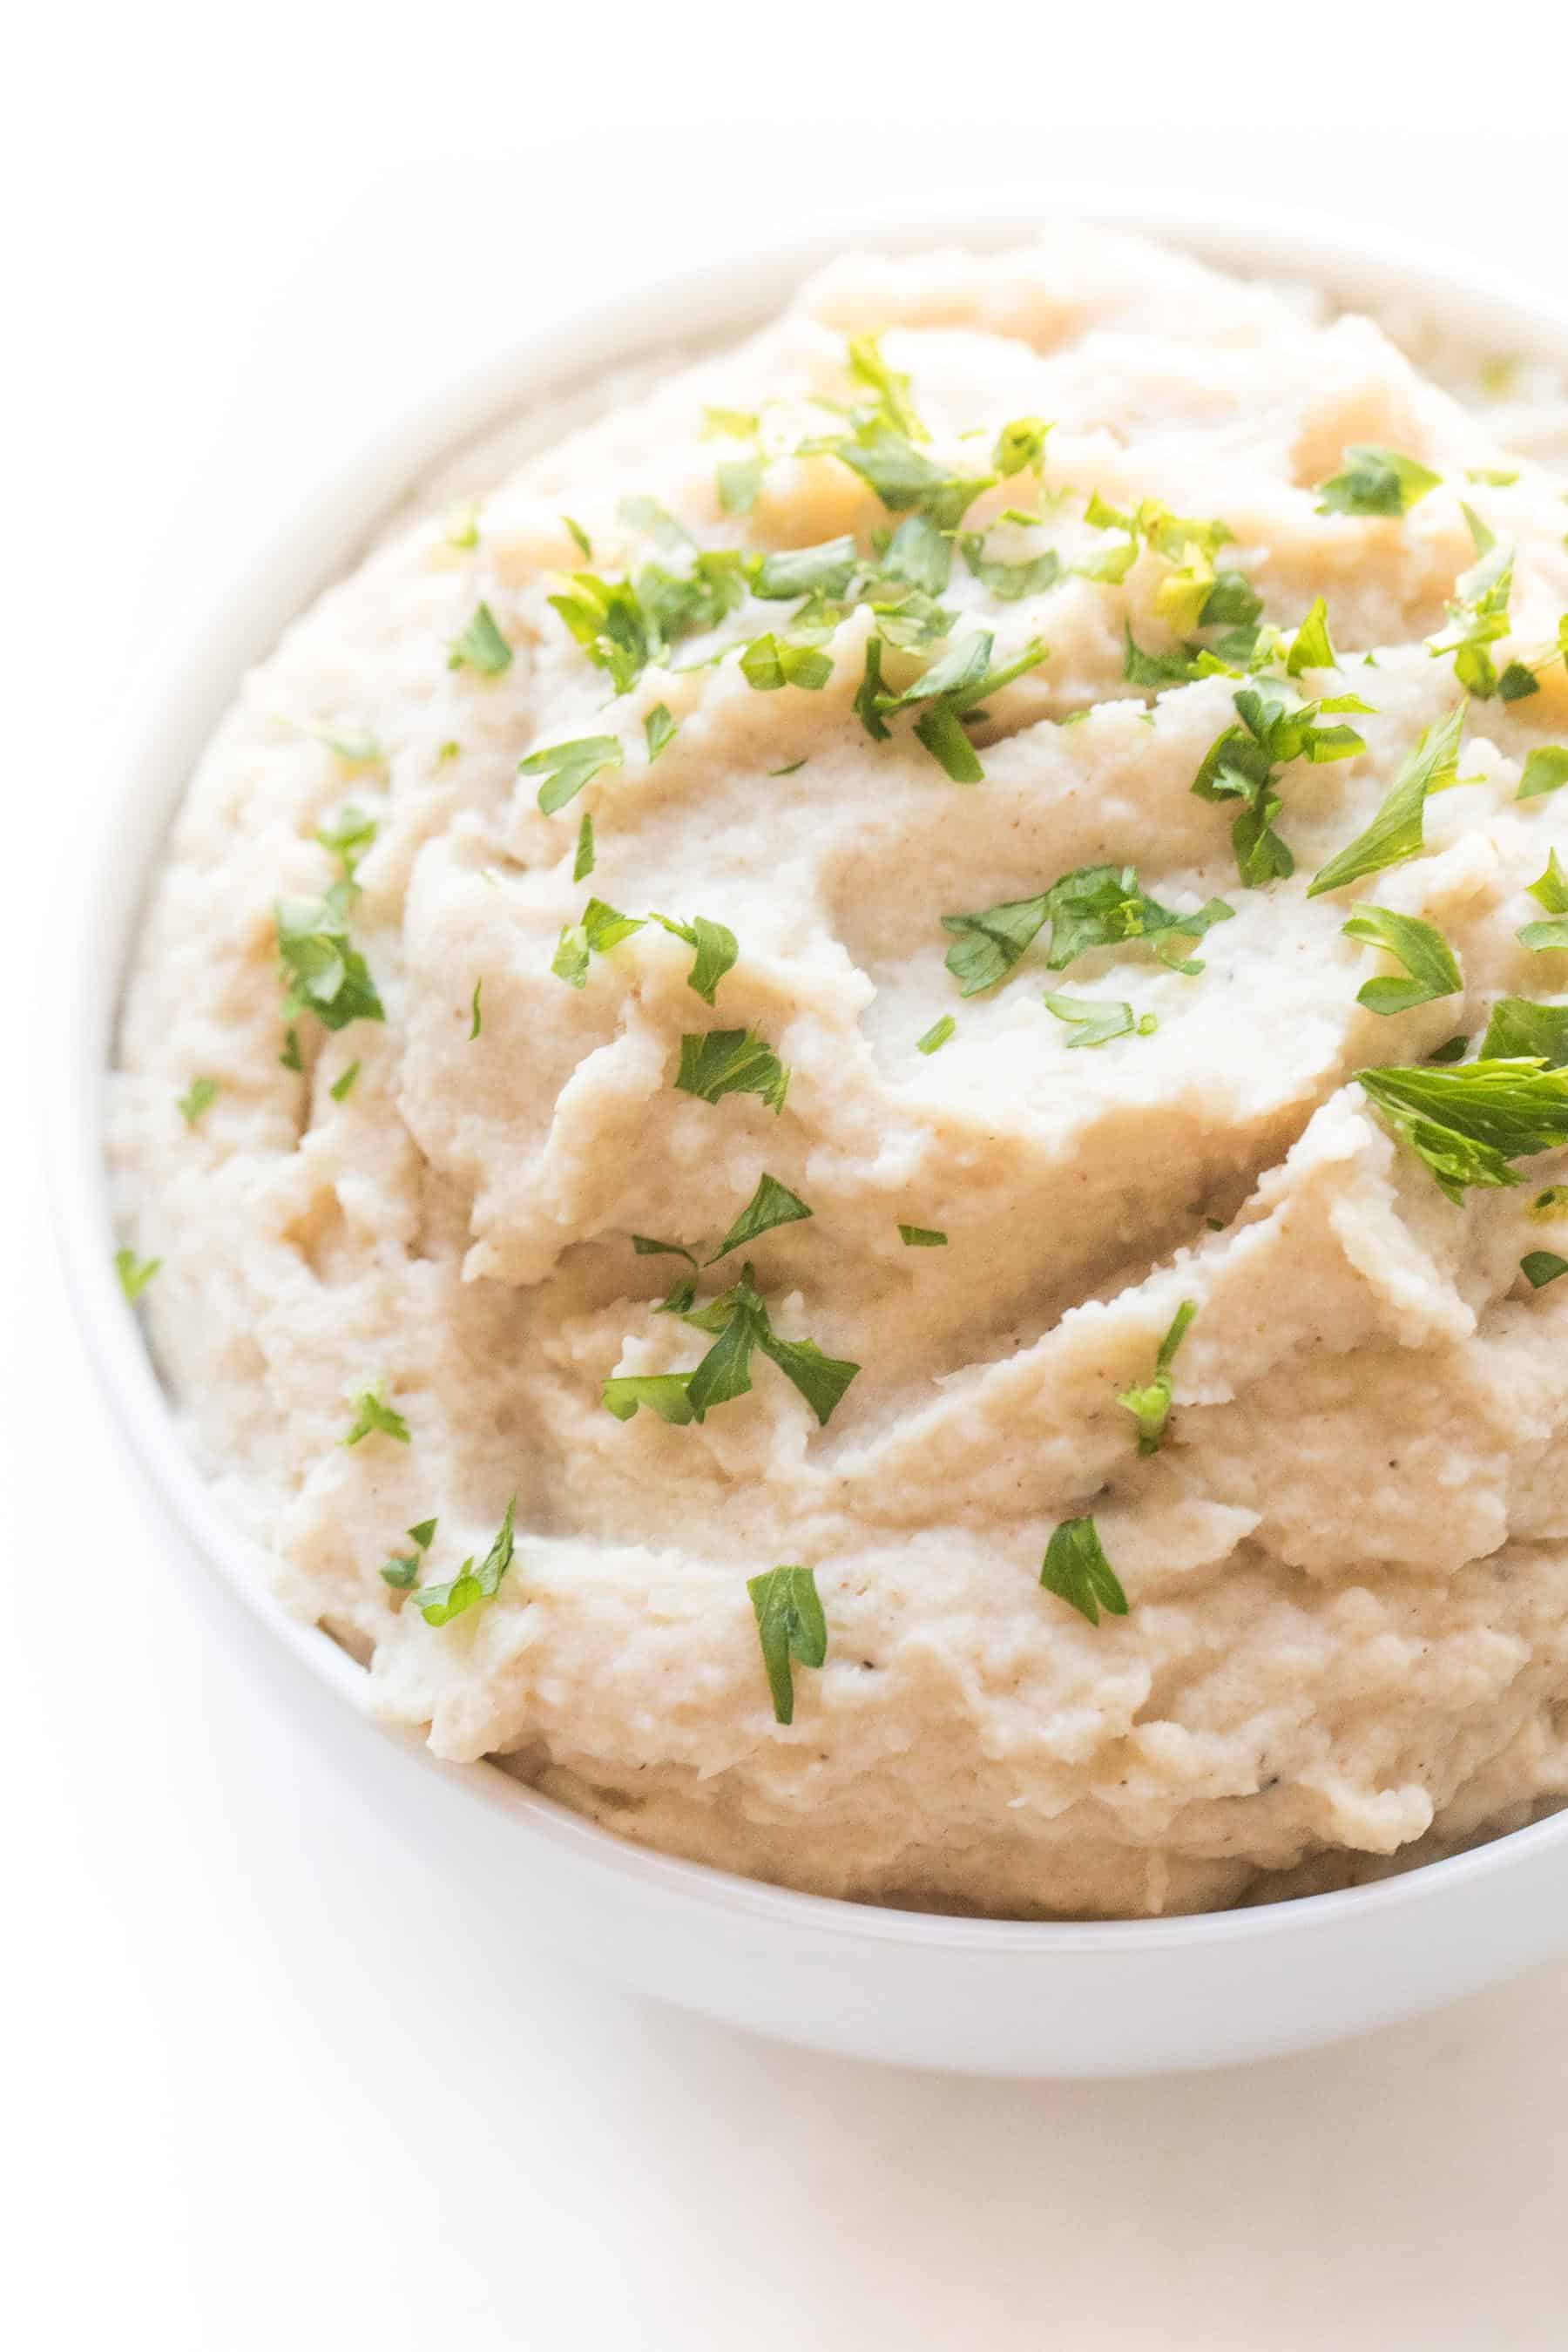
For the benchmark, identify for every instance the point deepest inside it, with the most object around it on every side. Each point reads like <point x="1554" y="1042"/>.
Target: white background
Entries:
<point x="272" y="2076"/>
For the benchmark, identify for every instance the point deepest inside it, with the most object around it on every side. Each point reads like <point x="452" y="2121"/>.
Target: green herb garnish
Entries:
<point x="1096" y="1020"/>
<point x="1395" y="832"/>
<point x="1468" y="1121"/>
<point x="598" y="929"/>
<point x="439" y="1604"/>
<point x="583" y="863"/>
<point x="481" y="646"/>
<point x="658" y="729"/>
<point x="134" y="1273"/>
<point x="1150" y="1404"/>
<point x="567" y="767"/>
<point x="476" y="1015"/>
<point x="720" y="1062"/>
<point x="1093" y="907"/>
<point x="199" y="1096"/>
<point x="323" y="972"/>
<point x="923" y="1237"/>
<point x="372" y="1413"/>
<point x="1545" y="771"/>
<point x="790" y="1624"/>
<point x="1421" y="948"/>
<point x="1375" y="482"/>
<point x="937" y="1035"/>
<point x="340" y="1089"/>
<point x="402" y="1570"/>
<point x="1541" y="1267"/>
<point x="772" y="1204"/>
<point x="1077" y="1570"/>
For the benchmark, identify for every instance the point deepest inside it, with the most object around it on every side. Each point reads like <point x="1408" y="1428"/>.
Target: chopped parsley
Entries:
<point x="937" y="1035"/>
<point x="1375" y="482"/>
<point x="905" y="479"/>
<point x="824" y="570"/>
<point x="402" y="1570"/>
<point x="439" y="1604"/>
<point x="1551" y="891"/>
<point x="790" y="1625"/>
<point x="291" y="1057"/>
<point x="599" y="928"/>
<point x="475" y="1017"/>
<point x="583" y="863"/>
<point x="340" y="1089"/>
<point x="770" y="1204"/>
<point x="621" y="625"/>
<point x="567" y="767"/>
<point x="1553" y="1202"/>
<point x="481" y="646"/>
<point x="1239" y="765"/>
<point x="1420" y="947"/>
<point x="1311" y="647"/>
<point x="770" y="662"/>
<point x="923" y="1237"/>
<point x="1468" y="1120"/>
<point x="658" y="729"/>
<point x="1075" y="1569"/>
<point x="1096" y="1020"/>
<point x="348" y="837"/>
<point x="1020" y="447"/>
<point x="1478" y="617"/>
<point x="718" y="1061"/>
<point x="1519" y="1030"/>
<point x="716" y="945"/>
<point x="199" y="1096"/>
<point x="946" y="692"/>
<point x="790" y="768"/>
<point x="134" y="1273"/>
<point x="1541" y="1267"/>
<point x="1150" y="1404"/>
<point x="324" y="973"/>
<point x="890" y="389"/>
<point x="1545" y="771"/>
<point x="1395" y="832"/>
<point x="740" y="1320"/>
<point x="580" y="536"/>
<point x="1093" y="907"/>
<point x="354" y="750"/>
<point x="372" y="1413"/>
<point x="463" y="527"/>
<point x="1009" y="582"/>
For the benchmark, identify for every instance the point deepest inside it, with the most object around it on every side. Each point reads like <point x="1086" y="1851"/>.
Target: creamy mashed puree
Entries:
<point x="923" y="819"/>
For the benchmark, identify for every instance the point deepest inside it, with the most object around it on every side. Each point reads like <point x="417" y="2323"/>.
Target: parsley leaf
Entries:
<point x="402" y="1570"/>
<point x="1019" y="445"/>
<point x="323" y="972"/>
<point x="1541" y="1267"/>
<point x="1239" y="765"/>
<point x="664" y="1393"/>
<point x="1395" y="832"/>
<point x="645" y="1247"/>
<point x="740" y="481"/>
<point x="824" y="570"/>
<point x="1468" y="1120"/>
<point x="770" y="662"/>
<point x="567" y="767"/>
<point x="372" y="1412"/>
<point x="937" y="1035"/>
<point x="1311" y="647"/>
<point x="1093" y="907"/>
<point x="1478" y="617"/>
<point x="1096" y="1020"/>
<point x="200" y="1095"/>
<point x="134" y="1274"/>
<point x="1150" y="1404"/>
<point x="439" y="1604"/>
<point x="583" y="863"/>
<point x="348" y="837"/>
<point x="658" y="729"/>
<point x="1075" y="1569"/>
<point x="906" y="481"/>
<point x="291" y="1058"/>
<point x="476" y="1015"/>
<point x="599" y="928"/>
<point x="1545" y="771"/>
<point x="890" y="389"/>
<point x="1420" y="947"/>
<point x="770" y="1204"/>
<point x="717" y="950"/>
<point x="481" y="646"/>
<point x="1009" y="582"/>
<point x="720" y="1062"/>
<point x="790" y="1624"/>
<point x="1521" y="1031"/>
<point x="341" y="1088"/>
<point x="1375" y="482"/>
<point x="923" y="1237"/>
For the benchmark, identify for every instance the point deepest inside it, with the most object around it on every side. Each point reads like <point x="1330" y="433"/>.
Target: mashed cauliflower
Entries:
<point x="743" y="1073"/>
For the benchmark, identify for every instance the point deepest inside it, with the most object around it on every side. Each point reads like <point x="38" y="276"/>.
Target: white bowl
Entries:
<point x="985" y="1996"/>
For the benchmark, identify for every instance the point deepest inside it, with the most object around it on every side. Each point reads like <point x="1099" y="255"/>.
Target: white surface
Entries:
<point x="274" y="2077"/>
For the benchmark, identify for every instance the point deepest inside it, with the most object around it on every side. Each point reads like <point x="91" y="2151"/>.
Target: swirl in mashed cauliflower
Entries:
<point x="743" y="1075"/>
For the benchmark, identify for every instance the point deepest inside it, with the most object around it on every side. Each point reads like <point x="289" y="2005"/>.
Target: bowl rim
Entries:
<point x="153" y="743"/>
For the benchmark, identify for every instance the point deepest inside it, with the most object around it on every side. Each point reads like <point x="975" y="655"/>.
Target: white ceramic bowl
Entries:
<point x="985" y="1995"/>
